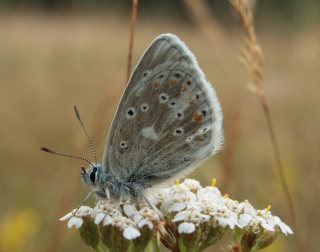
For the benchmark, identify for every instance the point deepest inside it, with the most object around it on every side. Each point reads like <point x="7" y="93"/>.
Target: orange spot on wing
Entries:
<point x="173" y="82"/>
<point x="198" y="117"/>
<point x="184" y="88"/>
<point x="156" y="84"/>
<point x="201" y="139"/>
<point x="191" y="101"/>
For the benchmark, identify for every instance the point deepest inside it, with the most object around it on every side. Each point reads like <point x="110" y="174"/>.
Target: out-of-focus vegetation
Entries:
<point x="77" y="55"/>
<point x="287" y="11"/>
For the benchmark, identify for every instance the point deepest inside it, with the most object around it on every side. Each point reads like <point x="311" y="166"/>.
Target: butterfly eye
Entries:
<point x="131" y="113"/>
<point x="178" y="131"/>
<point x="93" y="175"/>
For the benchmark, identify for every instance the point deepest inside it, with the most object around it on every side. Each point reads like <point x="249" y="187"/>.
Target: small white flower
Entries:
<point x="145" y="217"/>
<point x="246" y="208"/>
<point x="99" y="217"/>
<point x="186" y="228"/>
<point x="107" y="220"/>
<point x="75" y="221"/>
<point x="130" y="233"/>
<point x="76" y="216"/>
<point x="191" y="215"/>
<point x="191" y="185"/>
<point x="129" y="209"/>
<point x="276" y="222"/>
<point x="244" y="220"/>
<point x="145" y="222"/>
<point x="176" y="207"/>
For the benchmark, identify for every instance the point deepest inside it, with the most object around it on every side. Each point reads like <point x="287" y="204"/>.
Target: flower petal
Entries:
<point x="99" y="218"/>
<point x="129" y="209"/>
<point x="67" y="216"/>
<point x="131" y="233"/>
<point x="145" y="222"/>
<point x="75" y="221"/>
<point x="186" y="228"/>
<point x="244" y="220"/>
<point x="176" y="207"/>
<point x="285" y="228"/>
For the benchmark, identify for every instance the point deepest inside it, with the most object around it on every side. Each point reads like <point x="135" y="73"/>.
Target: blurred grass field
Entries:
<point x="50" y="63"/>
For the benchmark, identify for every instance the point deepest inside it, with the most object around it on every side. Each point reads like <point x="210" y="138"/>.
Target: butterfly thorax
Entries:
<point x="107" y="185"/>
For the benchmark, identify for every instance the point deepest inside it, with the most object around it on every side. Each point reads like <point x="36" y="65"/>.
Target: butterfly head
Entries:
<point x="91" y="175"/>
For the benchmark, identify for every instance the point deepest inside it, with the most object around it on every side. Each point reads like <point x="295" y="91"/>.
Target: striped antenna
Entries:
<point x="86" y="133"/>
<point x="65" y="155"/>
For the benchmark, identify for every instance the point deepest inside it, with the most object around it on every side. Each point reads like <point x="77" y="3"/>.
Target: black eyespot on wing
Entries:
<point x="177" y="75"/>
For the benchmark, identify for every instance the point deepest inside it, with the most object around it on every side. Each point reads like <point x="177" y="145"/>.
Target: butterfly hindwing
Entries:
<point x="169" y="119"/>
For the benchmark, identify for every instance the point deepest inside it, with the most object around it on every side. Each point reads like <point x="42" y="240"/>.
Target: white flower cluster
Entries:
<point x="191" y="205"/>
<point x="122" y="215"/>
<point x="187" y="205"/>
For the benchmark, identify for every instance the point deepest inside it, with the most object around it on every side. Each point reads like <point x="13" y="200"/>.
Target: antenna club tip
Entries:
<point x="76" y="111"/>
<point x="44" y="149"/>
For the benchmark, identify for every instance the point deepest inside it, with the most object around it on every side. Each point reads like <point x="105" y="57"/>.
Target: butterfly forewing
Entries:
<point x="169" y="118"/>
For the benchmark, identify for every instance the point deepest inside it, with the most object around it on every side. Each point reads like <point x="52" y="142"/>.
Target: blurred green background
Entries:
<point x="57" y="53"/>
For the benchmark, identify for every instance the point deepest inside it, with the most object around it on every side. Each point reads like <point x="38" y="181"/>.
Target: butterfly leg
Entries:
<point x="160" y="214"/>
<point x="84" y="201"/>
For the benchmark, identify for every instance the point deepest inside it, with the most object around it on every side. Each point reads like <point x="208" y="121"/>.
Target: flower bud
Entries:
<point x="189" y="240"/>
<point x="89" y="232"/>
<point x="113" y="238"/>
<point x="142" y="242"/>
<point x="210" y="235"/>
<point x="253" y="241"/>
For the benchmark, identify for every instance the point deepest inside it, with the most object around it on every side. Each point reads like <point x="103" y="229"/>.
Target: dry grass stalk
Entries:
<point x="200" y="13"/>
<point x="229" y="157"/>
<point x="66" y="200"/>
<point x="252" y="59"/>
<point x="132" y="33"/>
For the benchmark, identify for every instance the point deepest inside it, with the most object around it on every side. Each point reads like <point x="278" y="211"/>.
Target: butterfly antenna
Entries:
<point x="65" y="155"/>
<point x="86" y="133"/>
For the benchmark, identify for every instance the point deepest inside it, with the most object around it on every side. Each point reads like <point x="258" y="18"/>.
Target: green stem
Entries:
<point x="98" y="249"/>
<point x="155" y="244"/>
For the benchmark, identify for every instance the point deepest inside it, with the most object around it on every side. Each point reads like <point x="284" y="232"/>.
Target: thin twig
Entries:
<point x="132" y="33"/>
<point x="252" y="58"/>
<point x="230" y="151"/>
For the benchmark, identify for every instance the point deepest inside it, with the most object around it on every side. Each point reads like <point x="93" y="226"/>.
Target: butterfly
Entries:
<point x="169" y="120"/>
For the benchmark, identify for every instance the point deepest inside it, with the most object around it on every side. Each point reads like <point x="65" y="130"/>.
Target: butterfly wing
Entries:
<point x="169" y="119"/>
